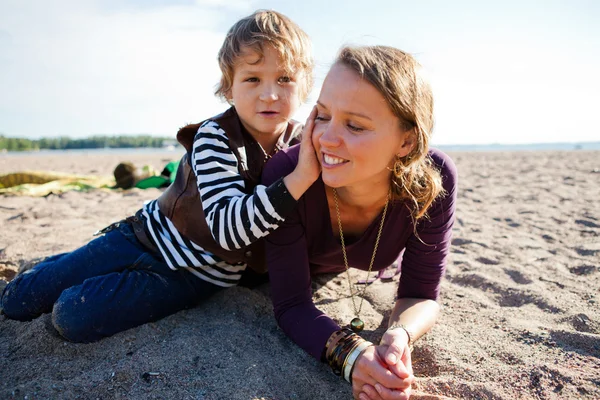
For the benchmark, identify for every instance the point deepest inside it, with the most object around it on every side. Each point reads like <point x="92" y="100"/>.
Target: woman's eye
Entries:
<point x="354" y="128"/>
<point x="320" y="118"/>
<point x="285" y="79"/>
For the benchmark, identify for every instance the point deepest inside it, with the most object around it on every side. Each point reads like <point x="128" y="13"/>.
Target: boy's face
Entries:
<point x="264" y="94"/>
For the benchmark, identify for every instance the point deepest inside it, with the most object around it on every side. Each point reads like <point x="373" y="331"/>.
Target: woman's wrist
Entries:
<point x="352" y="358"/>
<point x="409" y="334"/>
<point x="342" y="350"/>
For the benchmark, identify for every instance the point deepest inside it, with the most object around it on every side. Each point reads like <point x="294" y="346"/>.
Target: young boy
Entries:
<point x="193" y="240"/>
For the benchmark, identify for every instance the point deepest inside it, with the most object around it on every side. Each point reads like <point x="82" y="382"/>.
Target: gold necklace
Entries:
<point x="267" y="156"/>
<point x="357" y="324"/>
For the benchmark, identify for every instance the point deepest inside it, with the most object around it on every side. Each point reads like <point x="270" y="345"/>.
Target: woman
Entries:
<point x="382" y="193"/>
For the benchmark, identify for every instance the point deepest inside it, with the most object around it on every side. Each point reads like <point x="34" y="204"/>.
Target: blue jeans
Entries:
<point x="107" y="286"/>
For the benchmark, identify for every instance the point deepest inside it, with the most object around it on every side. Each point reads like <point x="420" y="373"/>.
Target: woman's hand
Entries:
<point x="397" y="351"/>
<point x="373" y="379"/>
<point x="308" y="168"/>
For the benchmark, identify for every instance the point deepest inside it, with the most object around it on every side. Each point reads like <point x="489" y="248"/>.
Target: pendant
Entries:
<point x="357" y="325"/>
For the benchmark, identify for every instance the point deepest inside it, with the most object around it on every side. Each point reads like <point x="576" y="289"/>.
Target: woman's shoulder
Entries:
<point x="446" y="166"/>
<point x="281" y="164"/>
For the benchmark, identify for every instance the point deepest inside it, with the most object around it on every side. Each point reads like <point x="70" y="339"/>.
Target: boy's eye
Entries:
<point x="320" y="118"/>
<point x="252" y="79"/>
<point x="285" y="79"/>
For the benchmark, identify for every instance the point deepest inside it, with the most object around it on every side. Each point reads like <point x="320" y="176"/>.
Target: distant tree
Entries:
<point x="92" y="142"/>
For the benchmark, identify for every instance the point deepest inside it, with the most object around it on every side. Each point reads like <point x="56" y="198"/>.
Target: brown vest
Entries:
<point x="181" y="201"/>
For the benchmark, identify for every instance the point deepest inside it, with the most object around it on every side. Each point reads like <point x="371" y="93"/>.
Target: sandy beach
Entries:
<point x="520" y="300"/>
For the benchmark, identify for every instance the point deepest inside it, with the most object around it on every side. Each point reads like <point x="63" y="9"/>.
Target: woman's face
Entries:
<point x="356" y="135"/>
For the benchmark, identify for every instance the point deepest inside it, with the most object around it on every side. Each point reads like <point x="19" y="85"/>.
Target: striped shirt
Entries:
<point x="236" y="217"/>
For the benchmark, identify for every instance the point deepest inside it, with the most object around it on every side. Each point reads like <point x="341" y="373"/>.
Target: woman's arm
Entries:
<point x="289" y="269"/>
<point x="291" y="292"/>
<point x="423" y="266"/>
<point x="296" y="313"/>
<point x="412" y="318"/>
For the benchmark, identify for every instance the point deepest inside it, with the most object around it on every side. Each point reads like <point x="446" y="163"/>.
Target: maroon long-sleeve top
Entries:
<point x="305" y="245"/>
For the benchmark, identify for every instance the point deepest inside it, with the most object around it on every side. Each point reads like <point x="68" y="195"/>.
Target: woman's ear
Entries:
<point x="408" y="143"/>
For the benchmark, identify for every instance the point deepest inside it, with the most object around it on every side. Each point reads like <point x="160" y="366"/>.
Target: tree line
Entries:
<point x="94" y="142"/>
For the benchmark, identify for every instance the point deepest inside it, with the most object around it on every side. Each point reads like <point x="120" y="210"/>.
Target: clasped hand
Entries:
<point x="384" y="372"/>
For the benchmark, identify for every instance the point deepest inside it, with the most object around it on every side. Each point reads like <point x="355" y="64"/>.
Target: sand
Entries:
<point x="520" y="301"/>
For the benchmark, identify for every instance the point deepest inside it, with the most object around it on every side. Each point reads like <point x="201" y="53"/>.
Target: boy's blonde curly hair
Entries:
<point x="267" y="27"/>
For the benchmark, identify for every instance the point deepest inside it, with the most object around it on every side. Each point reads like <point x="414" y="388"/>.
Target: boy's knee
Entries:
<point x="14" y="305"/>
<point x="73" y="319"/>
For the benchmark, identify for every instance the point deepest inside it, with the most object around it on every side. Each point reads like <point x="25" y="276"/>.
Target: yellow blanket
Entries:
<point x="42" y="183"/>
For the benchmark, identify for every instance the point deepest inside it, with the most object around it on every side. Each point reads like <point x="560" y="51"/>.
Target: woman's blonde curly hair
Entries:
<point x="397" y="76"/>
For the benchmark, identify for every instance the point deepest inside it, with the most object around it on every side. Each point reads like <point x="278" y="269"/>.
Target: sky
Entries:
<point x="508" y="72"/>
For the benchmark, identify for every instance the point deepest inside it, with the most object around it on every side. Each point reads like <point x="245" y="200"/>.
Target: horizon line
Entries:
<point x="173" y="137"/>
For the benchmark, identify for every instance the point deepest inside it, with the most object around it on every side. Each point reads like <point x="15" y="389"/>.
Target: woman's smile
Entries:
<point x="354" y="119"/>
<point x="331" y="160"/>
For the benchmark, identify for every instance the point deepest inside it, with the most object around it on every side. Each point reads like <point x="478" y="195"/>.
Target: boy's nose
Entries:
<point x="269" y="93"/>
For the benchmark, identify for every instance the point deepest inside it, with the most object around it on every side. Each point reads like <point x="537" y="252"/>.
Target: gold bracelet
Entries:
<point x="351" y="359"/>
<point x="348" y="358"/>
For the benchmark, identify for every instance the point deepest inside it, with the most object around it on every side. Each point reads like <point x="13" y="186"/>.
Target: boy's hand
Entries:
<point x="308" y="163"/>
<point x="308" y="169"/>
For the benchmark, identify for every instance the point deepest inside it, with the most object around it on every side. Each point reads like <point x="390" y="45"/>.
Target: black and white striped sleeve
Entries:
<point x="236" y="219"/>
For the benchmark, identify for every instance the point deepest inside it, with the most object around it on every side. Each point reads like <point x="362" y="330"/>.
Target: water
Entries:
<point x="522" y="147"/>
<point x="176" y="151"/>
<point x="179" y="150"/>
